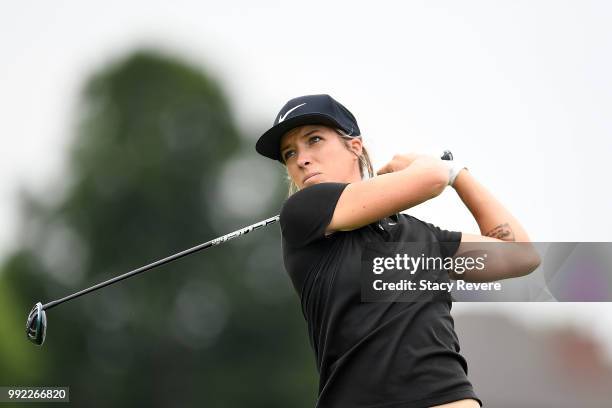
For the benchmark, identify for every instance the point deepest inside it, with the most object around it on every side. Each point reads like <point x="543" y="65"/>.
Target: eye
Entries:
<point x="288" y="154"/>
<point x="314" y="139"/>
<point x="311" y="140"/>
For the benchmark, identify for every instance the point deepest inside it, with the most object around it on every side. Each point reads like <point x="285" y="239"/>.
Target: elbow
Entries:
<point x="530" y="261"/>
<point x="535" y="261"/>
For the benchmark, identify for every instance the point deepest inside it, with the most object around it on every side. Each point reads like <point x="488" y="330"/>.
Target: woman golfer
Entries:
<point x="373" y="354"/>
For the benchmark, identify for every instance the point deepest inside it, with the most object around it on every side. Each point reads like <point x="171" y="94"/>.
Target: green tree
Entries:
<point x="219" y="328"/>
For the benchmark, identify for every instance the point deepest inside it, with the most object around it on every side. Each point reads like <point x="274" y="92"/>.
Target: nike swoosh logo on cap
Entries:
<point x="282" y="117"/>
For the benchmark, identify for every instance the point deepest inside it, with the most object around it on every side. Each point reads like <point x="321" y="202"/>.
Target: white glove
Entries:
<point x="453" y="170"/>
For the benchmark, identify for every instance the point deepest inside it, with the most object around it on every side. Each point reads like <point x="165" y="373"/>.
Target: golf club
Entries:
<point x="36" y="324"/>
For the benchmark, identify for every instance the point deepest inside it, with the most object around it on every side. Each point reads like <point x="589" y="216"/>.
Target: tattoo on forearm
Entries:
<point x="502" y="231"/>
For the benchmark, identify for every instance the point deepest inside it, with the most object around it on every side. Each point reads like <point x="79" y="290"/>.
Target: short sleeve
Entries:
<point x="306" y="214"/>
<point x="449" y="240"/>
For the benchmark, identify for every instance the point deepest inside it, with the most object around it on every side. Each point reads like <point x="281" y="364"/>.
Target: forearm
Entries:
<point x="493" y="219"/>
<point x="366" y="201"/>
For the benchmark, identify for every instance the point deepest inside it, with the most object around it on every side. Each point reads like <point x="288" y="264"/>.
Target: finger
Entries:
<point x="384" y="169"/>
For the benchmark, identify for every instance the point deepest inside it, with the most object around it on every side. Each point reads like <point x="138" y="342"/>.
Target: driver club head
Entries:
<point x="36" y="326"/>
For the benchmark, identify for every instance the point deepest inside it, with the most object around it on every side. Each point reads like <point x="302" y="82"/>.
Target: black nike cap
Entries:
<point x="306" y="110"/>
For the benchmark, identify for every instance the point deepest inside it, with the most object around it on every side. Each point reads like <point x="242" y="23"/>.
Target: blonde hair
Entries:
<point x="365" y="164"/>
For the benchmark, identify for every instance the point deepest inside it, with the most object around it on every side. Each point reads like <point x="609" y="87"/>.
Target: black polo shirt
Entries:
<point x="368" y="354"/>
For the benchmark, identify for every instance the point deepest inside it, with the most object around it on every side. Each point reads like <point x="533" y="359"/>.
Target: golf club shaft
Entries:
<point x="170" y="258"/>
<point x="447" y="155"/>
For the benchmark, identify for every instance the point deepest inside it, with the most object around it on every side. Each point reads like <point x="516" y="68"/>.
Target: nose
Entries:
<point x="303" y="159"/>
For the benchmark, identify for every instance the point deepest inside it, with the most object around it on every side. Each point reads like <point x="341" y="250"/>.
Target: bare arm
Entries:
<point x="492" y="217"/>
<point x="516" y="257"/>
<point x="503" y="259"/>
<point x="406" y="181"/>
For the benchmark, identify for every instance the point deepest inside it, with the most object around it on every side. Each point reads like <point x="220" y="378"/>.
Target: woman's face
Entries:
<point x="315" y="154"/>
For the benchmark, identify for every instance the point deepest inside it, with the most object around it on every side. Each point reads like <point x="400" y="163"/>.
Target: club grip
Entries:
<point x="447" y="155"/>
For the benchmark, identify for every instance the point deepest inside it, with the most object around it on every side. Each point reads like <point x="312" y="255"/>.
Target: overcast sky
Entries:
<point x="520" y="91"/>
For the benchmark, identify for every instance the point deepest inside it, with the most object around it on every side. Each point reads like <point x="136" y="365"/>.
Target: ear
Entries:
<point x="356" y="145"/>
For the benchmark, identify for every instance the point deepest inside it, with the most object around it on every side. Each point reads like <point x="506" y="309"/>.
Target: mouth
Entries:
<point x="309" y="176"/>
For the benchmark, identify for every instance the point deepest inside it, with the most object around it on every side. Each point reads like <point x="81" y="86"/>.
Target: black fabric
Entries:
<point x="319" y="109"/>
<point x="386" y="355"/>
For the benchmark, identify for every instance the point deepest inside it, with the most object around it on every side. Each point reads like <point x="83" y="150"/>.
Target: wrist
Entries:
<point x="454" y="168"/>
<point x="460" y="179"/>
<point x="458" y="176"/>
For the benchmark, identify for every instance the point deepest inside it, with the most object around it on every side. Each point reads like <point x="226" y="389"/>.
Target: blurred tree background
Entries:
<point x="157" y="165"/>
